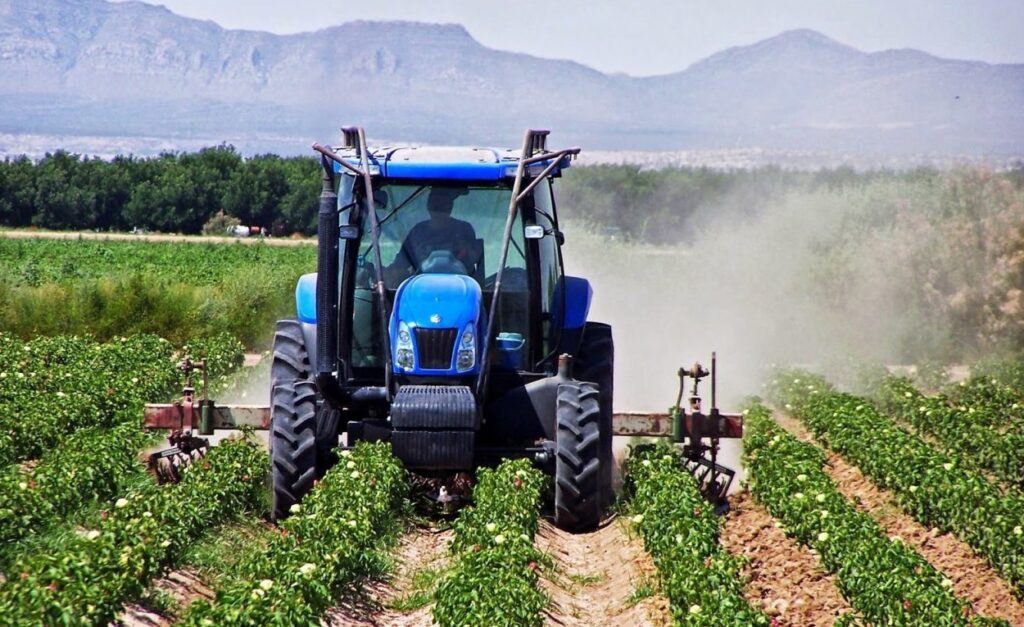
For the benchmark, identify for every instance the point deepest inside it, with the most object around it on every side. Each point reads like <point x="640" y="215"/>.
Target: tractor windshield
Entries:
<point x="439" y="228"/>
<point x="434" y="228"/>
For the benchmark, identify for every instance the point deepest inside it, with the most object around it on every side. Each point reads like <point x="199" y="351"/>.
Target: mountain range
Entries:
<point x="97" y="68"/>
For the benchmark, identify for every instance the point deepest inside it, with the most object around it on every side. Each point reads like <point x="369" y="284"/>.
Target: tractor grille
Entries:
<point x="435" y="347"/>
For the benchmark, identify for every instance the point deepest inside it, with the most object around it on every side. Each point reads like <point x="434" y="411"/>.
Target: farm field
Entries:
<point x="900" y="506"/>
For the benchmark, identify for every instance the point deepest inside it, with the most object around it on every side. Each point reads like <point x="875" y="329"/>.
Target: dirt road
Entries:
<point x="155" y="237"/>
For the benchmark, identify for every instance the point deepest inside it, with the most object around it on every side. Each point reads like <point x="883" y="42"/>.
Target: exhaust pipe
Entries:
<point x="327" y="289"/>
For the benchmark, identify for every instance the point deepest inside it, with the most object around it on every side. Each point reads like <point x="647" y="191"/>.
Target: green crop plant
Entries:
<point x="931" y="486"/>
<point x="886" y="582"/>
<point x="680" y="531"/>
<point x="494" y="578"/>
<point x="337" y="535"/>
<point x="86" y="580"/>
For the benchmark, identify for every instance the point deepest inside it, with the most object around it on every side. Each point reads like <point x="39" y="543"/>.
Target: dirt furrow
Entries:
<point x="973" y="579"/>
<point x="785" y="579"/>
<point x="405" y="599"/>
<point x="176" y="589"/>
<point x="600" y="578"/>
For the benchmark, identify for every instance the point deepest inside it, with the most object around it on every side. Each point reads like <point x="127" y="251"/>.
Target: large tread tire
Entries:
<point x="291" y="364"/>
<point x="595" y="362"/>
<point x="292" y="444"/>
<point x="291" y="361"/>
<point x="577" y="457"/>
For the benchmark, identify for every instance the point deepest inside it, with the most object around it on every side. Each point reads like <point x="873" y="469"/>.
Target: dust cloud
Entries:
<point x="742" y="288"/>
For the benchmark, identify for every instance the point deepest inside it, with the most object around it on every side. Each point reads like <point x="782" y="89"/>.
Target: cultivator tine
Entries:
<point x="168" y="464"/>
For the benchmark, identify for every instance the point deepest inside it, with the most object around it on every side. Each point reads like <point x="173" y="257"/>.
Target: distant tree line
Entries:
<point x="170" y="193"/>
<point x="182" y="192"/>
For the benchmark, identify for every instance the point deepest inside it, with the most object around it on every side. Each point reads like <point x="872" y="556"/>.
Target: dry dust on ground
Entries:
<point x="973" y="579"/>
<point x="421" y="549"/>
<point x="595" y="577"/>
<point x="783" y="578"/>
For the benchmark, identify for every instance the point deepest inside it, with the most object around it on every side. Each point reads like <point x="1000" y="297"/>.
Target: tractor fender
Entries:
<point x="305" y="308"/>
<point x="526" y="412"/>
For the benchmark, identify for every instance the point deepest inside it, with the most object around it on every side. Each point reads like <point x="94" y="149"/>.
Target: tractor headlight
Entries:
<point x="403" y="348"/>
<point x="466" y="357"/>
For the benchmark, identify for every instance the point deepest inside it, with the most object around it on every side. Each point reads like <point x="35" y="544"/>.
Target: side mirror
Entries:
<point x="560" y="237"/>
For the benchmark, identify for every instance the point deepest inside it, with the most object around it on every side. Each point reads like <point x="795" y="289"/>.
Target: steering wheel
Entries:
<point x="442" y="262"/>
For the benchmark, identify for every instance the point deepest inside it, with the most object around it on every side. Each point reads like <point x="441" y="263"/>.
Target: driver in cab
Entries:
<point x="439" y="244"/>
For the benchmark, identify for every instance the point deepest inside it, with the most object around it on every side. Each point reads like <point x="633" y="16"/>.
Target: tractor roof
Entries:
<point x="445" y="163"/>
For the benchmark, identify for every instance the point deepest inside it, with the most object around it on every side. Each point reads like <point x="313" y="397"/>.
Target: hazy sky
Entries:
<point x="643" y="37"/>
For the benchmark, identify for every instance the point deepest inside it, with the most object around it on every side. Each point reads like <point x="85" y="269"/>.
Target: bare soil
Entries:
<point x="973" y="579"/>
<point x="419" y="550"/>
<point x="783" y="577"/>
<point x="181" y="586"/>
<point x="595" y="579"/>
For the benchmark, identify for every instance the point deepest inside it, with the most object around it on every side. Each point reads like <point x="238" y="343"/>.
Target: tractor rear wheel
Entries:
<point x="291" y="363"/>
<point x="595" y="362"/>
<point x="578" y="457"/>
<point x="292" y="444"/>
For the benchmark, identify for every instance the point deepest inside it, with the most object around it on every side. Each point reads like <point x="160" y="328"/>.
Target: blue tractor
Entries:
<point x="441" y="320"/>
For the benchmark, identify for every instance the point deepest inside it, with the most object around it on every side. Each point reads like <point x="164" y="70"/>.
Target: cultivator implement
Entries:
<point x="699" y="434"/>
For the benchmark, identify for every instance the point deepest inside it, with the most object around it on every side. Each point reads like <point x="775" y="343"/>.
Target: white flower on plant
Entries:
<point x="295" y="508"/>
<point x="820" y="498"/>
<point x="307" y="569"/>
<point x="165" y="543"/>
<point x="639" y="518"/>
<point x="490" y="527"/>
<point x="524" y="537"/>
<point x="499" y="539"/>
<point x="778" y="525"/>
<point x="667" y="458"/>
<point x="266" y="584"/>
<point x="679" y="538"/>
<point x="1018" y="530"/>
<point x="23" y="486"/>
<point x="346" y="453"/>
<point x="913" y="488"/>
<point x="948" y="466"/>
<point x="92" y="535"/>
<point x="908" y="395"/>
<point x="350" y="465"/>
<point x="354" y="474"/>
<point x="824" y="513"/>
<point x="695" y="609"/>
<point x="353" y="523"/>
<point x="521" y="473"/>
<point x="896" y="539"/>
<point x="801" y="477"/>
<point x="645" y="463"/>
<point x="147" y="514"/>
<point x="798" y="495"/>
<point x="823" y="536"/>
<point x="946" y="583"/>
<point x="257" y="593"/>
<point x="122" y="502"/>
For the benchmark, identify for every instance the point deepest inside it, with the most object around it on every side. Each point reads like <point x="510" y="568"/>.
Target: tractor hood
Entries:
<point x="435" y="326"/>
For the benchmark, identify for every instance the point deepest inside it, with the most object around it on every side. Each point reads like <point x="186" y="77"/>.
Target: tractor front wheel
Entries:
<point x="292" y="444"/>
<point x="578" y="457"/>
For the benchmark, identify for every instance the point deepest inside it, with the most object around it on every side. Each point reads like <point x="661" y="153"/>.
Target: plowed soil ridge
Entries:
<point x="784" y="578"/>
<point x="595" y="577"/>
<point x="973" y="579"/>
<point x="418" y="550"/>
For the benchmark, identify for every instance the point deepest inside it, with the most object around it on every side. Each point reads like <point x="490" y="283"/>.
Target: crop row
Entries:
<point x="930" y="485"/>
<point x="680" y="530"/>
<point x="52" y="386"/>
<point x="494" y="579"/>
<point x="965" y="431"/>
<point x="94" y="463"/>
<point x="887" y="582"/>
<point x="85" y="580"/>
<point x="334" y="537"/>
